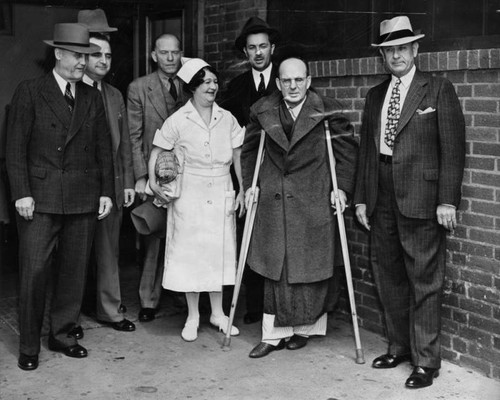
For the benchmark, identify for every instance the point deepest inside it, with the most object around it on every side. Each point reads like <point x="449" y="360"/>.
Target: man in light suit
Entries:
<point x="292" y="245"/>
<point x="151" y="99"/>
<point x="61" y="175"/>
<point x="407" y="191"/>
<point x="257" y="41"/>
<point x="107" y="235"/>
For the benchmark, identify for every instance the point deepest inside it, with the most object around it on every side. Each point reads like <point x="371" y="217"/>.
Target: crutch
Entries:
<point x="245" y="241"/>
<point x="360" y="358"/>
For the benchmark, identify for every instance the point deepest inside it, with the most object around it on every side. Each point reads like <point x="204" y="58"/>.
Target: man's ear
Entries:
<point x="245" y="51"/>
<point x="57" y="53"/>
<point x="154" y="57"/>
<point x="415" y="48"/>
<point x="278" y="84"/>
<point x="272" y="49"/>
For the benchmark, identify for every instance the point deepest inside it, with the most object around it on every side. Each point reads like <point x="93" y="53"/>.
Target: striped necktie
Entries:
<point x="68" y="96"/>
<point x="393" y="114"/>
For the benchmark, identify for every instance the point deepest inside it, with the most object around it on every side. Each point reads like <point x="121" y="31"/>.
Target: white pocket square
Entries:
<point x="426" y="111"/>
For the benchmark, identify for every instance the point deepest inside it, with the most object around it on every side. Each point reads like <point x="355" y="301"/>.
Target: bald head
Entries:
<point x="294" y="80"/>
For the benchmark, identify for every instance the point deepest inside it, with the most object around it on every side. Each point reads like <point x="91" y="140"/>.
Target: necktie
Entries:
<point x="286" y="120"/>
<point x="262" y="86"/>
<point x="68" y="96"/>
<point x="393" y="113"/>
<point x="96" y="85"/>
<point x="172" y="90"/>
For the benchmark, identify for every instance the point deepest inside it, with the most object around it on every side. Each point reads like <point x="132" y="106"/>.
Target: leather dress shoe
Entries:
<point x="147" y="314"/>
<point x="263" y="349"/>
<point x="124" y="325"/>
<point x="251" y="318"/>
<point x="74" y="351"/>
<point x="27" y="363"/>
<point x="421" y="377"/>
<point x="390" y="360"/>
<point x="296" y="342"/>
<point x="76" y="332"/>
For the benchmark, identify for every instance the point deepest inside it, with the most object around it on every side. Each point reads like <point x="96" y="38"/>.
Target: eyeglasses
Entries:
<point x="287" y="82"/>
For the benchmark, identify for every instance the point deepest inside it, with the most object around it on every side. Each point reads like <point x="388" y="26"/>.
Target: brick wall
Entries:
<point x="471" y="307"/>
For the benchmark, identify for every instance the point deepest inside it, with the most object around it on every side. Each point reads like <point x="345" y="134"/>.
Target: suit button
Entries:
<point x="289" y="196"/>
<point x="86" y="148"/>
<point x="277" y="196"/>
<point x="86" y="171"/>
<point x="59" y="148"/>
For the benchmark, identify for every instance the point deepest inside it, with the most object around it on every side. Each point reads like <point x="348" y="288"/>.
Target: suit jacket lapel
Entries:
<point x="155" y="94"/>
<point x="82" y="104"/>
<point x="268" y="114"/>
<point x="416" y="93"/>
<point x="378" y="101"/>
<point x="312" y="112"/>
<point x="110" y="103"/>
<point x="55" y="99"/>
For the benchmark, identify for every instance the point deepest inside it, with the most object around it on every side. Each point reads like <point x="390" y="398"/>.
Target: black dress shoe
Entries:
<point x="251" y="318"/>
<point x="124" y="325"/>
<point x="263" y="349"/>
<point x="421" y="377"/>
<point x="147" y="314"/>
<point x="296" y="342"/>
<point x="74" y="351"/>
<point x="76" y="332"/>
<point x="390" y="360"/>
<point x="26" y="362"/>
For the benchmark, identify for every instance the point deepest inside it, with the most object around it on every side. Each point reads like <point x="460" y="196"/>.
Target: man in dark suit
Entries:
<point x="292" y="245"/>
<point x="407" y="190"/>
<point x="257" y="41"/>
<point x="151" y="99"/>
<point x="107" y="235"/>
<point x="61" y="175"/>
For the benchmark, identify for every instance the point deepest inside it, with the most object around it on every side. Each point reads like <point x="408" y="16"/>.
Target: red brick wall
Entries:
<point x="471" y="306"/>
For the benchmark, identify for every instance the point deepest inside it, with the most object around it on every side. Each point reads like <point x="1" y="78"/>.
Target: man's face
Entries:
<point x="99" y="63"/>
<point x="293" y="81"/>
<point x="259" y="51"/>
<point x="400" y="59"/>
<point x="70" y="65"/>
<point x="167" y="55"/>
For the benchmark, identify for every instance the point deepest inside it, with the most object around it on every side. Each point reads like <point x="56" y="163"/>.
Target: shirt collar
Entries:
<point x="405" y="80"/>
<point x="61" y="82"/>
<point x="295" y="111"/>
<point x="266" y="73"/>
<point x="89" y="81"/>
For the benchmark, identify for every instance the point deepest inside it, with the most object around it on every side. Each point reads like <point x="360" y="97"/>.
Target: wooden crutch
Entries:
<point x="360" y="358"/>
<point x="245" y="241"/>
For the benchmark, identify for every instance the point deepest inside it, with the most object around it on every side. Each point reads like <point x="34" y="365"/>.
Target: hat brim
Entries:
<point x="149" y="219"/>
<point x="109" y="29"/>
<point x="241" y="40"/>
<point x="92" y="48"/>
<point x="400" y="41"/>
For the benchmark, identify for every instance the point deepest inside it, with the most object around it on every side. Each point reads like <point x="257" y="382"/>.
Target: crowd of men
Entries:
<point x="76" y="156"/>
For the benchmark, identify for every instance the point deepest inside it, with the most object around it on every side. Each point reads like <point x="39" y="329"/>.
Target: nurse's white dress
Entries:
<point x="200" y="252"/>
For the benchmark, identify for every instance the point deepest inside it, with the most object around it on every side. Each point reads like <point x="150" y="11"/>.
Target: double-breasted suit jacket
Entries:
<point x="428" y="154"/>
<point x="148" y="106"/>
<point x="60" y="159"/>
<point x="241" y="94"/>
<point x="294" y="222"/>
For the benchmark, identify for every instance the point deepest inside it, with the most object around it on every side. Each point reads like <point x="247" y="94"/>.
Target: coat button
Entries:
<point x="86" y="148"/>
<point x="59" y="148"/>
<point x="209" y="202"/>
<point x="277" y="196"/>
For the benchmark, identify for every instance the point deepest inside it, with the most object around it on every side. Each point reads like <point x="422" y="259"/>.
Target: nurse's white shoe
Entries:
<point x="221" y="324"/>
<point x="190" y="331"/>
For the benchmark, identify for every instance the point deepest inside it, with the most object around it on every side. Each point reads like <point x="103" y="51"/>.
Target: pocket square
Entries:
<point x="426" y="111"/>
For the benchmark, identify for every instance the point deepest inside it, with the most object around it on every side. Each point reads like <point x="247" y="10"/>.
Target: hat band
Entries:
<point x="72" y="44"/>
<point x="395" y="35"/>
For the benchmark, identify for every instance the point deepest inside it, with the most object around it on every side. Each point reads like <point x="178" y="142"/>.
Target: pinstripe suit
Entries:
<point x="407" y="243"/>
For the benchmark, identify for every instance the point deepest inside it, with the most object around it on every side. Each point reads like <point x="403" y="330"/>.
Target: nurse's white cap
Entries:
<point x="190" y="66"/>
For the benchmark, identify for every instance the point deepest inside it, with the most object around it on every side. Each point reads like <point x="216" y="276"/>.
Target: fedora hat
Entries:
<point x="72" y="37"/>
<point x="255" y="25"/>
<point x="190" y="67"/>
<point x="95" y="20"/>
<point x="149" y="219"/>
<point x="396" y="31"/>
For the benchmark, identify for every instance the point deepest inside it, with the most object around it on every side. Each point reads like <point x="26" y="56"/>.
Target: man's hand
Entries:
<point x="140" y="187"/>
<point x="447" y="216"/>
<point x="240" y="203"/>
<point x="248" y="196"/>
<point x="361" y="215"/>
<point x="25" y="207"/>
<point x="105" y="206"/>
<point x="342" y="201"/>
<point x="129" y="196"/>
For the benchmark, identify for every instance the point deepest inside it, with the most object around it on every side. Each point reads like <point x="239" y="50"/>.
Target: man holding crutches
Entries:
<point x="292" y="245"/>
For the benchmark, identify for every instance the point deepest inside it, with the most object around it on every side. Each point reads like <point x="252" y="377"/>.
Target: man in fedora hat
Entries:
<point x="107" y="236"/>
<point x="61" y="175"/>
<point x="257" y="41"/>
<point x="151" y="99"/>
<point x="407" y="191"/>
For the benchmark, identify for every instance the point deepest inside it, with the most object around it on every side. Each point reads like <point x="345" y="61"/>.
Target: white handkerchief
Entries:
<point x="426" y="111"/>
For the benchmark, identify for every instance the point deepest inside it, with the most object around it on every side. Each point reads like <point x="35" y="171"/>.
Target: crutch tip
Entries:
<point x="360" y="358"/>
<point x="226" y="344"/>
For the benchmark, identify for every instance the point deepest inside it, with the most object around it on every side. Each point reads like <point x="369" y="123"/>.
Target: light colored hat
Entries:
<point x="95" y="20"/>
<point x="72" y="37"/>
<point x="396" y="31"/>
<point x="190" y="67"/>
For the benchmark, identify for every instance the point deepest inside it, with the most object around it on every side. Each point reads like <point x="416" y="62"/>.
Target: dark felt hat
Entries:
<point x="72" y="37"/>
<point x="255" y="25"/>
<point x="95" y="20"/>
<point x="149" y="219"/>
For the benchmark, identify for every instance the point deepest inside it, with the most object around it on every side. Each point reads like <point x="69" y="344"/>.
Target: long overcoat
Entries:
<point x="294" y="224"/>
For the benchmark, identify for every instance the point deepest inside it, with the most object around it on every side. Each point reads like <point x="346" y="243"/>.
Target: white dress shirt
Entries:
<point x="62" y="83"/>
<point x="266" y="73"/>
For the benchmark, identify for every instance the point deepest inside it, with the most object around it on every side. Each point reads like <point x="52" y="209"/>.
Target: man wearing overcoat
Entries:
<point x="61" y="175"/>
<point x="292" y="244"/>
<point x="408" y="187"/>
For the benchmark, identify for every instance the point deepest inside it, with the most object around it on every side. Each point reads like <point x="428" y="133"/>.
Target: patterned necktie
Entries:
<point x="68" y="96"/>
<point x="262" y="86"/>
<point x="393" y="113"/>
<point x="172" y="90"/>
